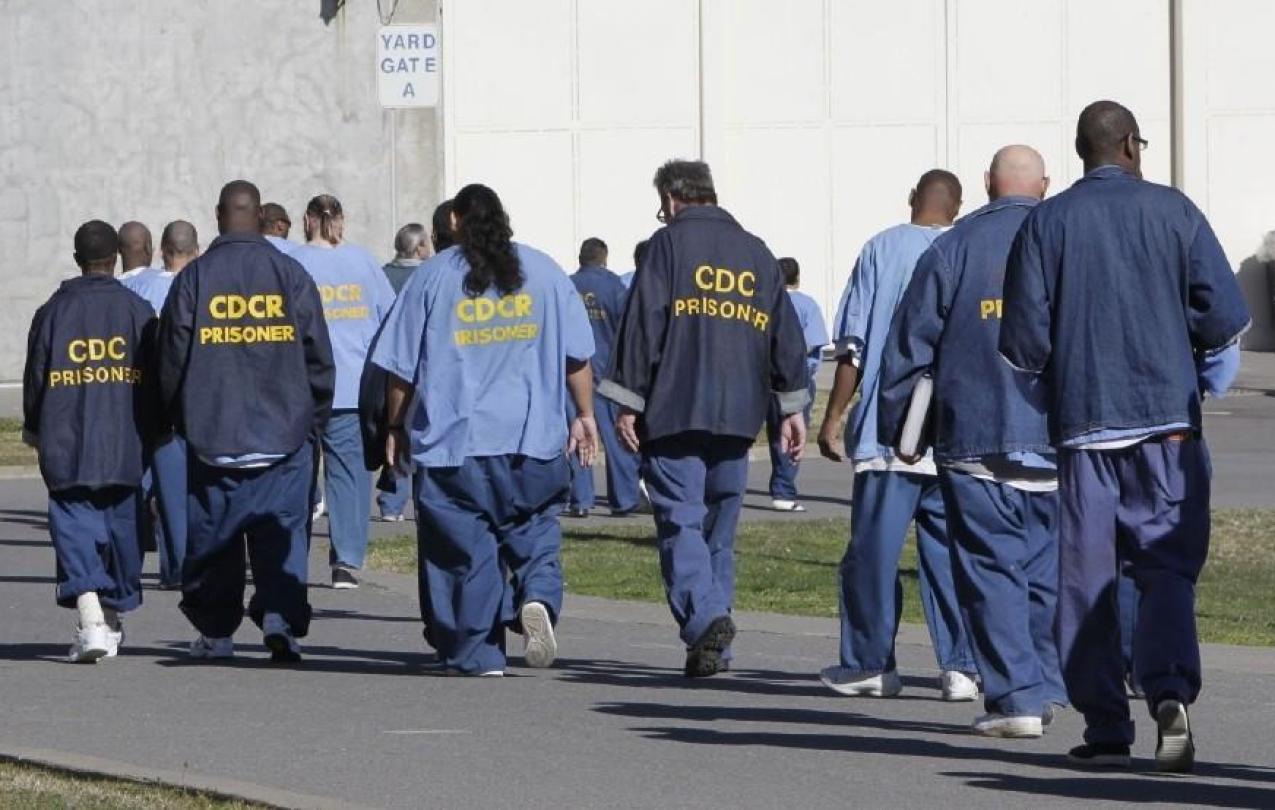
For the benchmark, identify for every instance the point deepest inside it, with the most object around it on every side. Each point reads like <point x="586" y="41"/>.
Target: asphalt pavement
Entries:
<point x="363" y="722"/>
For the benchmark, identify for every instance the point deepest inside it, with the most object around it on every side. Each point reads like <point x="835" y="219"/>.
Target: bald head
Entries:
<point x="239" y="208"/>
<point x="1016" y="171"/>
<point x="1107" y="134"/>
<point x="178" y="244"/>
<point x="136" y="249"/>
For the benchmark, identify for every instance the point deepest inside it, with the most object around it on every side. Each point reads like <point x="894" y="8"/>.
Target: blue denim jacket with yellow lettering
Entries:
<point x="948" y="324"/>
<point x="709" y="333"/>
<point x="245" y="364"/>
<point x="88" y="392"/>
<point x="1115" y="289"/>
<point x="603" y="295"/>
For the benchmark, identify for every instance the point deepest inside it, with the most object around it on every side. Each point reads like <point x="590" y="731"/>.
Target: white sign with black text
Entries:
<point x="408" y="62"/>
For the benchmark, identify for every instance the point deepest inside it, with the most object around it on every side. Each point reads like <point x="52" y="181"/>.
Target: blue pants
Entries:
<point x="97" y="538"/>
<point x="169" y="468"/>
<point x="871" y="593"/>
<point x="621" y="464"/>
<point x="1005" y="564"/>
<point x="393" y="504"/>
<point x="474" y="523"/>
<point x="696" y="482"/>
<point x="1127" y="603"/>
<point x="347" y="485"/>
<point x="269" y="508"/>
<point x="783" y="470"/>
<point x="1145" y="507"/>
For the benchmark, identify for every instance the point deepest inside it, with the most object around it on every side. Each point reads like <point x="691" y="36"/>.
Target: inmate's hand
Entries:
<point x="793" y="434"/>
<point x="830" y="439"/>
<point x="584" y="440"/>
<point x="398" y="451"/>
<point x="626" y="427"/>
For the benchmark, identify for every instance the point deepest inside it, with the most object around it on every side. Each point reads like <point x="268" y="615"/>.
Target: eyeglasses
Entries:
<point x="660" y="216"/>
<point x="1142" y="143"/>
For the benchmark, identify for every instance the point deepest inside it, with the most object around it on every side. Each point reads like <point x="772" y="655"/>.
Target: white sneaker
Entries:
<point x="958" y="687"/>
<point x="91" y="643"/>
<point x="278" y="638"/>
<point x="205" y="647"/>
<point x="1175" y="747"/>
<point x="785" y="505"/>
<point x="1012" y="726"/>
<point x="320" y="509"/>
<point x="537" y="631"/>
<point x="845" y="681"/>
<point x="115" y="637"/>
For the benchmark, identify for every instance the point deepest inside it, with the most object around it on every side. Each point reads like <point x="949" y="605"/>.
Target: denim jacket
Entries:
<point x="1115" y="289"/>
<point x="948" y="323"/>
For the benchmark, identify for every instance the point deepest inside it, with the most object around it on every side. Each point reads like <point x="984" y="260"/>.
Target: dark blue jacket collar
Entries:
<point x="1108" y="170"/>
<point x="704" y="212"/>
<point x="241" y="237"/>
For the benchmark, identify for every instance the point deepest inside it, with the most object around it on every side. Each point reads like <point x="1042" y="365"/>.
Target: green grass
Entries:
<point x="12" y="451"/>
<point x="791" y="567"/>
<point x="25" y="786"/>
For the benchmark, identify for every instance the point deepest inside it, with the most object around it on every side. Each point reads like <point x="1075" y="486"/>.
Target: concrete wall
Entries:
<point x="143" y="109"/>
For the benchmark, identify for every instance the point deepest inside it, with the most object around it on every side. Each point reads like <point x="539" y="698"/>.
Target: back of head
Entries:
<point x="1017" y="171"/>
<point x="179" y="239"/>
<point x="325" y="219"/>
<point x="938" y="194"/>
<point x="408" y="240"/>
<point x="239" y="208"/>
<point x="790" y="270"/>
<point x="639" y="250"/>
<point x="688" y="181"/>
<point x="593" y="252"/>
<point x="136" y="247"/>
<point x="275" y="220"/>
<point x="442" y="237"/>
<point x="485" y="238"/>
<point x="96" y="244"/>
<point x="1101" y="132"/>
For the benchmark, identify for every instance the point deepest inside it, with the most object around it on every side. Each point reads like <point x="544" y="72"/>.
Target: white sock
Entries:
<point x="90" y="609"/>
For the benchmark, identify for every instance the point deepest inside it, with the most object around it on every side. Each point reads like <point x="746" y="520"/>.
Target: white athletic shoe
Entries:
<point x="205" y="647"/>
<point x="848" y="682"/>
<point x="115" y="637"/>
<point x="91" y="643"/>
<point x="785" y="505"/>
<point x="278" y="638"/>
<point x="1175" y="748"/>
<point x="537" y="631"/>
<point x="1015" y="726"/>
<point x="958" y="687"/>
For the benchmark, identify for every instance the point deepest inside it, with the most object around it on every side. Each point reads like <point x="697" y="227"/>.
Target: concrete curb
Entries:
<point x="15" y="473"/>
<point x="80" y="764"/>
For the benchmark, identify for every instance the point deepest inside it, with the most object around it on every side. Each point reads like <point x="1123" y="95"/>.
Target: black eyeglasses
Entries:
<point x="1142" y="143"/>
<point x="660" y="216"/>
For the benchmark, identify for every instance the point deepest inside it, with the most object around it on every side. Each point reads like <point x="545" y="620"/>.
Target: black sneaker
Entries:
<point x="1100" y="755"/>
<point x="1175" y="747"/>
<point x="704" y="658"/>
<point x="343" y="579"/>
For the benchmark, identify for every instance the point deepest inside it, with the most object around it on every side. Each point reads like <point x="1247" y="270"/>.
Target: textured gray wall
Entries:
<point x="141" y="109"/>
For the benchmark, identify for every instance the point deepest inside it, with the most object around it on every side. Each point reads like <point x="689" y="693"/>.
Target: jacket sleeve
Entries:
<point x="174" y="342"/>
<point x="913" y="339"/>
<point x="639" y="343"/>
<point x="313" y="331"/>
<point x="789" y="378"/>
<point x="1026" y="324"/>
<point x="1215" y="310"/>
<point x="151" y="421"/>
<point x="34" y="377"/>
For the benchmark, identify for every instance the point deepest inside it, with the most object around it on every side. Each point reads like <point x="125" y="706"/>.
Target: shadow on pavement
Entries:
<point x="28" y="579"/>
<point x="787" y="716"/>
<point x="50" y="651"/>
<point x="331" y="613"/>
<point x="1141" y="789"/>
<point x="314" y="659"/>
<point x="25" y="517"/>
<point x="26" y="543"/>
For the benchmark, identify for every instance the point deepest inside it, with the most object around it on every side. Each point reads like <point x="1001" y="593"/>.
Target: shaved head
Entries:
<point x="1017" y="171"/>
<point x="136" y="249"/>
<point x="275" y="220"/>
<point x="1107" y="133"/>
<point x="178" y="244"/>
<point x="239" y="207"/>
<point x="936" y="200"/>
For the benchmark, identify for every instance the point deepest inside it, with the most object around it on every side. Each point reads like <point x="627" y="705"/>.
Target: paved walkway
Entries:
<point x="362" y="723"/>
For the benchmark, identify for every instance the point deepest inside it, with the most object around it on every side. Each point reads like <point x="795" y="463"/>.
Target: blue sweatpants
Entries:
<point x="697" y="482"/>
<point x="488" y="542"/>
<point x="871" y="593"/>
<point x="621" y="464"/>
<point x="783" y="470"/>
<point x="269" y="510"/>
<point x="1147" y="507"/>
<point x="347" y="484"/>
<point x="97" y="539"/>
<point x="393" y="504"/>
<point x="169" y="468"/>
<point x="1005" y="565"/>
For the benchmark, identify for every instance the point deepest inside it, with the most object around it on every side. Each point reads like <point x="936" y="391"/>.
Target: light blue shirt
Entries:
<point x="284" y="246"/>
<point x="488" y="371"/>
<point x="152" y="284"/>
<point x="810" y="316"/>
<point x="876" y="286"/>
<point x="356" y="297"/>
<point x="627" y="279"/>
